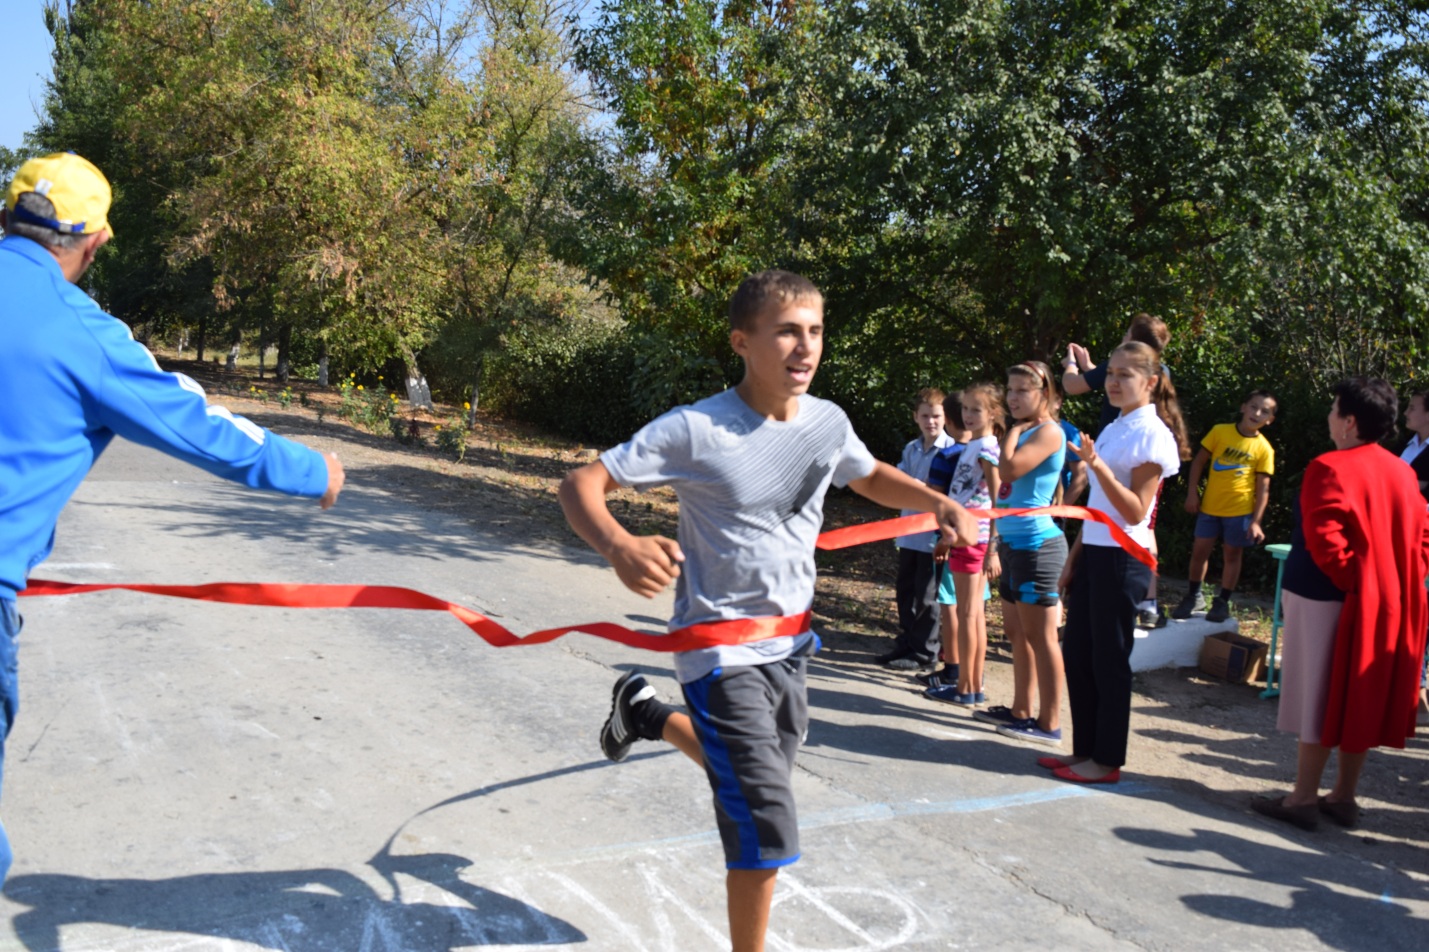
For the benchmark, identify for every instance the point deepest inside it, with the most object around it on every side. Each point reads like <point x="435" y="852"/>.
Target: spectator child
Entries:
<point x="916" y="588"/>
<point x="1103" y="581"/>
<point x="1080" y="376"/>
<point x="1032" y="551"/>
<point x="1237" y="492"/>
<point x="974" y="484"/>
<point x="940" y="476"/>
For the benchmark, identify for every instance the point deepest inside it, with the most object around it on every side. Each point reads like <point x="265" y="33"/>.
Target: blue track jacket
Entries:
<point x="71" y="377"/>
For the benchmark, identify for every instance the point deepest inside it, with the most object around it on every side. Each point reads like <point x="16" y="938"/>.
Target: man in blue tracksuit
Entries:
<point x="72" y="377"/>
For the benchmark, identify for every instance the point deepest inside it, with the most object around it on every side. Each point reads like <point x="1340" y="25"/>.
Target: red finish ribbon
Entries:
<point x="277" y="595"/>
<point x="704" y="635"/>
<point x="925" y="521"/>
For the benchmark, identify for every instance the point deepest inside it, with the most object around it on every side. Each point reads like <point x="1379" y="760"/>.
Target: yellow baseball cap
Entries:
<point x="79" y="191"/>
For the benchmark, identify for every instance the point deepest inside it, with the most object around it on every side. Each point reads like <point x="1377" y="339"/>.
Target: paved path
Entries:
<point x="190" y="776"/>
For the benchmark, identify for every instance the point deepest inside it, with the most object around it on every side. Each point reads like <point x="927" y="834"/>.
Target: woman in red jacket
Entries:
<point x="1354" y="606"/>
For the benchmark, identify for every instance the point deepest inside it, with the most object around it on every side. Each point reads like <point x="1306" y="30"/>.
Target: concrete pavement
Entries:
<point x="194" y="776"/>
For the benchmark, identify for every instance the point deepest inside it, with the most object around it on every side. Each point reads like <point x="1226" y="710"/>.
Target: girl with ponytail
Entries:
<point x="1144" y="445"/>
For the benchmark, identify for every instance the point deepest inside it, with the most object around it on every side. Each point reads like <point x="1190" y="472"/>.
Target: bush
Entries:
<point x="451" y="437"/>
<point x="574" y="379"/>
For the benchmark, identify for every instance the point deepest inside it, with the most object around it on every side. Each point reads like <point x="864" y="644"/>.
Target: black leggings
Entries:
<point x="1096" y="650"/>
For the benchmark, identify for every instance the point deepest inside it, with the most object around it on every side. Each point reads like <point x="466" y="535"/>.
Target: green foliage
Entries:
<point x="574" y="380"/>
<point x="372" y="409"/>
<point x="970" y="183"/>
<point x="355" y="173"/>
<point x="451" y="438"/>
<point x="690" y="195"/>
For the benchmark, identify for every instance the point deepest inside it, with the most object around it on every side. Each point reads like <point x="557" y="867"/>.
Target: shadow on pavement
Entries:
<point x="1344" y="904"/>
<point x="303" y="910"/>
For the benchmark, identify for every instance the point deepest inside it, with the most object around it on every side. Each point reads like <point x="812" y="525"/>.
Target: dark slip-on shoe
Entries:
<point x="1306" y="817"/>
<point x="1345" y="812"/>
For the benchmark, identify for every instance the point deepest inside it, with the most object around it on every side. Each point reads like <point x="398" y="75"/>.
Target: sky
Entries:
<point x="24" y="67"/>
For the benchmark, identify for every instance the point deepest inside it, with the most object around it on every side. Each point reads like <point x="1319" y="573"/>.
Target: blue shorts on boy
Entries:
<point x="751" y="493"/>
<point x="1235" y="529"/>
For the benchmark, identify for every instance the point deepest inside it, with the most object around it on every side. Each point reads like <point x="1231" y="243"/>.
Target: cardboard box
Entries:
<point x="1234" y="658"/>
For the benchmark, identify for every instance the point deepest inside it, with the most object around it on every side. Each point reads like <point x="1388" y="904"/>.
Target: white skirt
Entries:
<point x="1307" y="653"/>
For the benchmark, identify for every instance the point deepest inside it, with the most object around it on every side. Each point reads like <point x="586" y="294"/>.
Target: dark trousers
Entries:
<point x="1096" y="650"/>
<point x="917" y="595"/>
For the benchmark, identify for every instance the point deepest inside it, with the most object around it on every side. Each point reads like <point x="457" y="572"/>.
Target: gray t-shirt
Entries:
<point x="751" y="494"/>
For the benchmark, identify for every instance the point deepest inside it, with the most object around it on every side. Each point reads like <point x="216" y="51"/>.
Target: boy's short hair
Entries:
<point x="953" y="412"/>
<point x="1423" y="396"/>
<point x="932" y="396"/>
<point x="1262" y="393"/>
<point x="1149" y="330"/>
<point x="758" y="292"/>
<point x="1372" y="402"/>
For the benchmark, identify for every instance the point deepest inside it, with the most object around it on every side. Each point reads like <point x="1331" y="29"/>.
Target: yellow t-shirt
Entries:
<point x="1235" y="460"/>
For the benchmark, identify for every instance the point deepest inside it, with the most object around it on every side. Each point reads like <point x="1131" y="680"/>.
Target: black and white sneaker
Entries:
<point x="619" y="731"/>
<point x="1188" y="606"/>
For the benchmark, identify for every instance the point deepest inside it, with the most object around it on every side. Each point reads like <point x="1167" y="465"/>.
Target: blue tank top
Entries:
<point x="1036" y="488"/>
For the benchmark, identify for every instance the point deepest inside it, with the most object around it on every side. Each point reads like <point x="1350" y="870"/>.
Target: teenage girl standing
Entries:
<point x="1033" y="552"/>
<point x="1144" y="445"/>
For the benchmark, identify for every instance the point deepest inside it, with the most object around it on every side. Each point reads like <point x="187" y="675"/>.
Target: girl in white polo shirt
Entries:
<point x="1145" y="444"/>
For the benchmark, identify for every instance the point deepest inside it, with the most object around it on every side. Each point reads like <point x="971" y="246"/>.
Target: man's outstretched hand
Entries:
<point x="335" y="478"/>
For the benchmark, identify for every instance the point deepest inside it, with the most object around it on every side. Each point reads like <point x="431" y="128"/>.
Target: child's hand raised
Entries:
<point x="646" y="564"/>
<point x="1087" y="452"/>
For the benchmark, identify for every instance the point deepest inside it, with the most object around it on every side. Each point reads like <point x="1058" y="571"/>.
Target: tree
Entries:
<point x="690" y="196"/>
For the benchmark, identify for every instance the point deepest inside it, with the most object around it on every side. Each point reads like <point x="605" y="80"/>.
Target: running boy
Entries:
<point x="1237" y="492"/>
<point x="750" y="467"/>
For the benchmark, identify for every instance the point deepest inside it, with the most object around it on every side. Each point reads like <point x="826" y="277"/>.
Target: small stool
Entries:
<point x="1280" y="551"/>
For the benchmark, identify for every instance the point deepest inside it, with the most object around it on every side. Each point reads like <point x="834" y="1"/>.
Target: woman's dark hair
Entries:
<point x="1372" y="402"/>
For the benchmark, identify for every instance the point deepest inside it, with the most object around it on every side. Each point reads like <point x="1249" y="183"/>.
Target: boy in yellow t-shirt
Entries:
<point x="1237" y="492"/>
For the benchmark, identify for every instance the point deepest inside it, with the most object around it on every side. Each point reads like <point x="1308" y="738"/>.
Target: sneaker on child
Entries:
<point x="1188" y="606"/>
<point x="1027" y="729"/>
<point x="621" y="728"/>
<point x="1220" y="610"/>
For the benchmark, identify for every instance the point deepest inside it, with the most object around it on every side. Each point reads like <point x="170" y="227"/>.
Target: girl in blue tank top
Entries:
<point x="1037" y="488"/>
<point x="1033" y="551"/>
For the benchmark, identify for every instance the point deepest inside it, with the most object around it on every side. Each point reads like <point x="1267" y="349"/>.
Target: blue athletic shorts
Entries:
<point x="750" y="720"/>
<point x="947" y="591"/>
<point x="1235" y="529"/>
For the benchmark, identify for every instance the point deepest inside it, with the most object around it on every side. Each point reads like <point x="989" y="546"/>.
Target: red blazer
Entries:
<point x="1366" y="528"/>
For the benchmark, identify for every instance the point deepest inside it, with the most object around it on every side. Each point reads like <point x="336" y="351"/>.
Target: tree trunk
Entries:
<point x="322" y="366"/>
<point x="285" y="343"/>
<point x="232" y="365"/>
<point x="199" y="341"/>
<point x="418" y="393"/>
